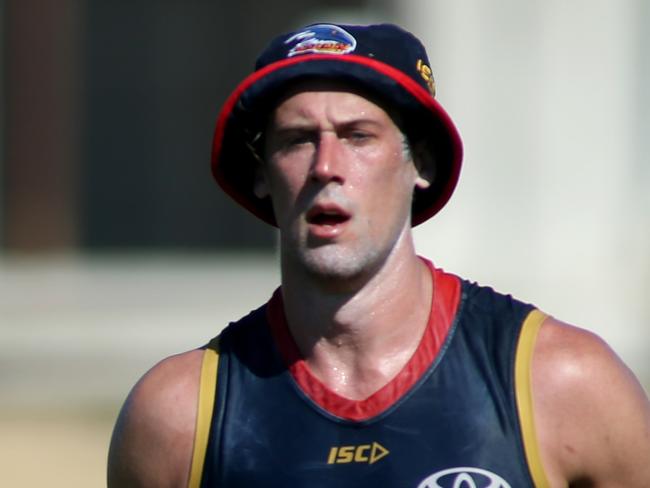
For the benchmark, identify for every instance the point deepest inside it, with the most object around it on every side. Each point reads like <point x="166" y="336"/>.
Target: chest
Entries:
<point x="455" y="427"/>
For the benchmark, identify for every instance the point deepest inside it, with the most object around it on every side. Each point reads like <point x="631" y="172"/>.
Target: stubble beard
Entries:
<point x="339" y="267"/>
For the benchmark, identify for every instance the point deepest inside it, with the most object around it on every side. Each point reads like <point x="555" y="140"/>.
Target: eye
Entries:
<point x="296" y="139"/>
<point x="358" y="136"/>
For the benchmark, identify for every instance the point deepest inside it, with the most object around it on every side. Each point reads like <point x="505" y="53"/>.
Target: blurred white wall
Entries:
<point x="552" y="204"/>
<point x="79" y="331"/>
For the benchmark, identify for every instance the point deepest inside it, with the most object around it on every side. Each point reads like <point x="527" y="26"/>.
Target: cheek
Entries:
<point x="296" y="176"/>
<point x="391" y="180"/>
<point x="285" y="188"/>
<point x="284" y="182"/>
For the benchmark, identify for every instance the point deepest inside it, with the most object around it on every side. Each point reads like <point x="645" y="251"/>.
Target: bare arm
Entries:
<point x="592" y="416"/>
<point x="152" y="440"/>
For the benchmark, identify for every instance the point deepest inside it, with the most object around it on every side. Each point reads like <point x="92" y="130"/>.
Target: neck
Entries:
<point x="356" y="339"/>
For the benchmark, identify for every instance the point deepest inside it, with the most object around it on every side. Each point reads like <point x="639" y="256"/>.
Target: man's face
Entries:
<point x="340" y="179"/>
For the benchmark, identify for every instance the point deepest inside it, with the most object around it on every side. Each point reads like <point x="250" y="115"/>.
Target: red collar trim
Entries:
<point x="446" y="296"/>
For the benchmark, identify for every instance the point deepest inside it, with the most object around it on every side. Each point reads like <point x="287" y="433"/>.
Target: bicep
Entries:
<point x="152" y="440"/>
<point x="126" y="461"/>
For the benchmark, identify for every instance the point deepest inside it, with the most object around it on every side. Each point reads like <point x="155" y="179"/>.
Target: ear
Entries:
<point x="424" y="165"/>
<point x="421" y="183"/>
<point x="260" y="185"/>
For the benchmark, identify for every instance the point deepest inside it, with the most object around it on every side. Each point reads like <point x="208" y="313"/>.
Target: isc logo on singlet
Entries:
<point x="364" y="453"/>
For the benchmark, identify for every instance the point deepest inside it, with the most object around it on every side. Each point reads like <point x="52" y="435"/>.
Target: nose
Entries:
<point x="327" y="162"/>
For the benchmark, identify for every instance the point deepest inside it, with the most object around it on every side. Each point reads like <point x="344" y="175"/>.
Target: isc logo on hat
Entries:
<point x="322" y="39"/>
<point x="464" y="478"/>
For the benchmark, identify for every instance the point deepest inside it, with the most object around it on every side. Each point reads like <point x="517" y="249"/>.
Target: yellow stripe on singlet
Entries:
<point x="207" y="390"/>
<point x="523" y="387"/>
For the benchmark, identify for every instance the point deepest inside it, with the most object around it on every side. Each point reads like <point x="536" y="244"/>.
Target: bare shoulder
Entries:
<point x="592" y="415"/>
<point x="153" y="436"/>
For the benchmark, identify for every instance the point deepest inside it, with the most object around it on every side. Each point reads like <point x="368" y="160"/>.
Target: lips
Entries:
<point x="327" y="215"/>
<point x="325" y="220"/>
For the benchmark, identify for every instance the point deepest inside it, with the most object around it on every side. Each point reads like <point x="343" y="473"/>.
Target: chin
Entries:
<point x="345" y="263"/>
<point x="336" y="265"/>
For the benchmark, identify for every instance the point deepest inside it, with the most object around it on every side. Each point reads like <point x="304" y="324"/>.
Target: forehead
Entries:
<point x="313" y="98"/>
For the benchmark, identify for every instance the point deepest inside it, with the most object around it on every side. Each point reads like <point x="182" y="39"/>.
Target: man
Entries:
<point x="369" y="366"/>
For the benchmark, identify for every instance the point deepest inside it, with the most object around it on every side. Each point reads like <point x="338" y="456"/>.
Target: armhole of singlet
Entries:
<point x="207" y="390"/>
<point x="523" y="388"/>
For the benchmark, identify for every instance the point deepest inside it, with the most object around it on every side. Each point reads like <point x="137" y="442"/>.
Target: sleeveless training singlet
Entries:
<point x="459" y="415"/>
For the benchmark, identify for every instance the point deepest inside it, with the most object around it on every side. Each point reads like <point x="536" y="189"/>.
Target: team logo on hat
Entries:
<point x="321" y="39"/>
<point x="427" y="76"/>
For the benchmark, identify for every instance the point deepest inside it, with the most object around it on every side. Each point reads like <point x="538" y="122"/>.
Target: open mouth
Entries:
<point x="327" y="216"/>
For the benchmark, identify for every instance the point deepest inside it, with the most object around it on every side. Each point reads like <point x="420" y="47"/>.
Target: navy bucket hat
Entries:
<point x="383" y="60"/>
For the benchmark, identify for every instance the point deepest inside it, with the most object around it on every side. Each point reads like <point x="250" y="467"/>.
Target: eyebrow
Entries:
<point x="307" y="125"/>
